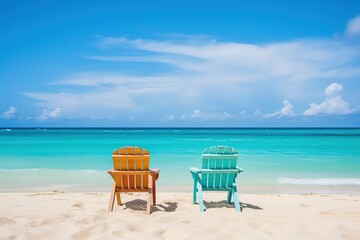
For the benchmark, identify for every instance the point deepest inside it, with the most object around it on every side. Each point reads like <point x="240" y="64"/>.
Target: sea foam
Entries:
<point x="320" y="181"/>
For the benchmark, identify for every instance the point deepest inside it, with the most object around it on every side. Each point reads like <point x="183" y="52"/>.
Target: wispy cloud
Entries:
<point x="10" y="113"/>
<point x="170" y="117"/>
<point x="98" y="103"/>
<point x="353" y="26"/>
<point x="197" y="115"/>
<point x="221" y="78"/>
<point x="294" y="60"/>
<point x="49" y="115"/>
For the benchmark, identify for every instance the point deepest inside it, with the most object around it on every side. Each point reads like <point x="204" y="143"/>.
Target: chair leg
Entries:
<point x="236" y="200"/>
<point x="152" y="185"/>
<point x="112" y="198"/>
<point x="194" y="192"/>
<point x="201" y="203"/>
<point x="153" y="192"/>
<point x="229" y="197"/>
<point x="118" y="198"/>
<point x="150" y="198"/>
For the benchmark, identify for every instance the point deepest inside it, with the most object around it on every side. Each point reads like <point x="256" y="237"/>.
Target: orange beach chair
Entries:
<point x="131" y="173"/>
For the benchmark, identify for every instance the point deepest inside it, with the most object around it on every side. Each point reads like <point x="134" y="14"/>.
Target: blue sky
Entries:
<point x="179" y="63"/>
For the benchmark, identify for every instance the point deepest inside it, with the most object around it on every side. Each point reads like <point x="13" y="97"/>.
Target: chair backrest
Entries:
<point x="218" y="158"/>
<point x="134" y="160"/>
<point x="131" y="158"/>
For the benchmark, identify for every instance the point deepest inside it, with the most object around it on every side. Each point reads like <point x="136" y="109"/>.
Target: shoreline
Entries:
<point x="252" y="190"/>
<point x="65" y="215"/>
<point x="47" y="180"/>
<point x="190" y="128"/>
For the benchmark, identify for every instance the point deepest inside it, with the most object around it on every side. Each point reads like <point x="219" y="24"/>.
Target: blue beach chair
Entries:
<point x="218" y="173"/>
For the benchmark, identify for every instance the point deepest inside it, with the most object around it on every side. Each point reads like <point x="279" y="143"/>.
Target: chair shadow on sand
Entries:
<point x="248" y="205"/>
<point x="224" y="204"/>
<point x="140" y="205"/>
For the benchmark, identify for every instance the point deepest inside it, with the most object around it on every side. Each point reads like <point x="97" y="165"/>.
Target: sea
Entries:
<point x="274" y="160"/>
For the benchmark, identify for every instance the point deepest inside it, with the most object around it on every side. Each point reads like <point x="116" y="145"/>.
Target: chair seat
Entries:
<point x="217" y="189"/>
<point x="118" y="189"/>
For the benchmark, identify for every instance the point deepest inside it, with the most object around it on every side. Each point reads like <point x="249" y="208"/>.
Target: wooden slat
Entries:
<point x="114" y="156"/>
<point x="232" y="163"/>
<point x="205" y="162"/>
<point x="212" y="163"/>
<point x="221" y="155"/>
<point x="224" y="178"/>
<point x="131" y="172"/>
<point x="204" y="180"/>
<point x="126" y="179"/>
<point x="217" y="182"/>
<point x="132" y="190"/>
<point x="210" y="182"/>
<point x="212" y="171"/>
<point x="231" y="179"/>
<point x="217" y="189"/>
<point x="131" y="162"/>
<point x="223" y="150"/>
<point x="132" y="151"/>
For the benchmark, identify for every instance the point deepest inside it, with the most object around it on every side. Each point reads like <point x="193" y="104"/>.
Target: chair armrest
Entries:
<point x="155" y="172"/>
<point x="129" y="172"/>
<point x="195" y="170"/>
<point x="220" y="170"/>
<point x="195" y="173"/>
<point x="240" y="169"/>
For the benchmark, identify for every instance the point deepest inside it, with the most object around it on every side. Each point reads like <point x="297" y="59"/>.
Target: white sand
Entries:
<point x="84" y="216"/>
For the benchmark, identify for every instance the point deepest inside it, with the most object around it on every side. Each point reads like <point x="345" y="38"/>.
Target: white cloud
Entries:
<point x="257" y="112"/>
<point x="225" y="115"/>
<point x="196" y="114"/>
<point x="239" y="62"/>
<point x="353" y="26"/>
<point x="170" y="117"/>
<point x="49" y="115"/>
<point x="333" y="90"/>
<point x="97" y="103"/>
<point x="332" y="104"/>
<point x="22" y="117"/>
<point x="107" y="42"/>
<point x="285" y="111"/>
<point x="9" y="113"/>
<point x="209" y="74"/>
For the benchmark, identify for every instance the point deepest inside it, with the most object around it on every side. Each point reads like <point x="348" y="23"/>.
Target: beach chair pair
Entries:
<point x="131" y="173"/>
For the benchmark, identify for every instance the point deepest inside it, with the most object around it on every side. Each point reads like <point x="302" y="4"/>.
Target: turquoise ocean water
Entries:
<point x="274" y="160"/>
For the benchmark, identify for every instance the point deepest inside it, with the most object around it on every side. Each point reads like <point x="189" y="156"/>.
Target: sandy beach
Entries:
<point x="62" y="215"/>
<point x="257" y="100"/>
